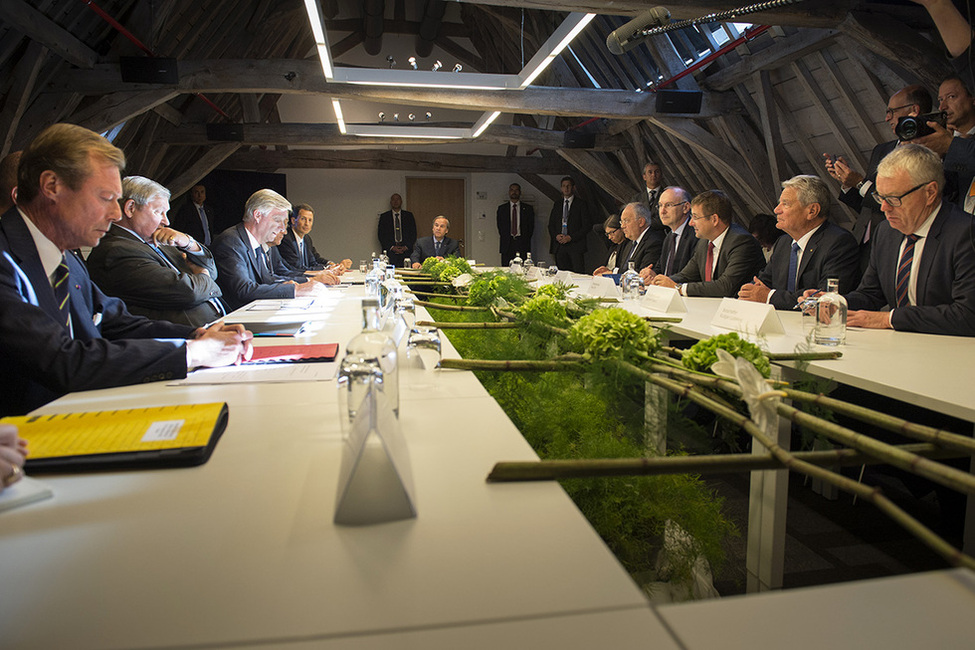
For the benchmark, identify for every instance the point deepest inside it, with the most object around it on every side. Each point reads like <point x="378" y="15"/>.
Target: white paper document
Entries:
<point x="261" y="374"/>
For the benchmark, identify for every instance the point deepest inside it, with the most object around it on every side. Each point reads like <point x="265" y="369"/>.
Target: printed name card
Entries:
<point x="603" y="287"/>
<point x="375" y="479"/>
<point x="663" y="299"/>
<point x="748" y="317"/>
<point x="532" y="274"/>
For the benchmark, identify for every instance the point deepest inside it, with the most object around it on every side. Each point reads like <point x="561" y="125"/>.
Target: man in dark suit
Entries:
<point x="568" y="226"/>
<point x="726" y="257"/>
<point x="650" y="195"/>
<point x="923" y="263"/>
<point x="397" y="231"/>
<point x="680" y="241"/>
<point x="644" y="245"/>
<point x="908" y="101"/>
<point x="516" y="225"/>
<point x="195" y="217"/>
<point x="437" y="245"/>
<point x="58" y="332"/>
<point x="813" y="251"/>
<point x="297" y="249"/>
<point x="159" y="272"/>
<point x="241" y="251"/>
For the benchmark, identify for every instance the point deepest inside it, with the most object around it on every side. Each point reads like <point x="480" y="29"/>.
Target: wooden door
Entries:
<point x="427" y="198"/>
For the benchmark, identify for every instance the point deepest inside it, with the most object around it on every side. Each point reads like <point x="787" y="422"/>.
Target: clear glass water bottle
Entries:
<point x="528" y="263"/>
<point x="370" y="360"/>
<point x="515" y="265"/>
<point x="830" y="328"/>
<point x="630" y="283"/>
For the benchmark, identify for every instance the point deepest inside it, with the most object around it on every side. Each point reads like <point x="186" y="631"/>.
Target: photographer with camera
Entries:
<point x="908" y="102"/>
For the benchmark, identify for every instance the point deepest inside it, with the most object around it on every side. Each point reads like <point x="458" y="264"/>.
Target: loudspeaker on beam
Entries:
<point x="679" y="101"/>
<point x="148" y="70"/>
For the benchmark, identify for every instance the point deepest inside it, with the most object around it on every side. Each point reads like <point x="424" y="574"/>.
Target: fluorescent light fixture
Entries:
<point x="568" y="30"/>
<point x="483" y="123"/>
<point x="338" y="115"/>
<point x="553" y="46"/>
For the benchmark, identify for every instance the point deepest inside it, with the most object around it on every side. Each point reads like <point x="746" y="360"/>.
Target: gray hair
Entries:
<point x="921" y="164"/>
<point x="141" y="190"/>
<point x="640" y="211"/>
<point x="810" y="189"/>
<point x="264" y="201"/>
<point x="680" y="191"/>
<point x="440" y="216"/>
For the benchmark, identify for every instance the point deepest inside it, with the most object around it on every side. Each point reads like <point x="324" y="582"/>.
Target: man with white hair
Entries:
<point x="159" y="272"/>
<point x="241" y="251"/>
<point x="814" y="251"/>
<point x="922" y="264"/>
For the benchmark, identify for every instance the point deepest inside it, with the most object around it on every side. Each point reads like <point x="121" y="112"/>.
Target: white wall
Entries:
<point x="348" y="203"/>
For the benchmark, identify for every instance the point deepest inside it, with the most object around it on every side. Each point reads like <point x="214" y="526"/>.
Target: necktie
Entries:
<point x="904" y="271"/>
<point x="670" y="252"/>
<point x="206" y="226"/>
<point x="653" y="196"/>
<point x="436" y="247"/>
<point x="262" y="262"/>
<point x="397" y="228"/>
<point x="793" y="267"/>
<point x="709" y="262"/>
<point x="61" y="286"/>
<point x="565" y="218"/>
<point x="164" y="258"/>
<point x="514" y="219"/>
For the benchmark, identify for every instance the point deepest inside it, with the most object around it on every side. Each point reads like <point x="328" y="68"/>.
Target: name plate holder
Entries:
<point x="532" y="274"/>
<point x="748" y="317"/>
<point x="603" y="287"/>
<point x="663" y="299"/>
<point x="565" y="277"/>
<point x="375" y="480"/>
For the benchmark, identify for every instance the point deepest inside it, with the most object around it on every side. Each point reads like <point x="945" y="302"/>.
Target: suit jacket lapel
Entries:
<point x="25" y="254"/>
<point x="930" y="252"/>
<point x="811" y="247"/>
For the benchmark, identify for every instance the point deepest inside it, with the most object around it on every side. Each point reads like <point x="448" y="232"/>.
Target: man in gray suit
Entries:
<point x="157" y="271"/>
<point x="726" y="257"/>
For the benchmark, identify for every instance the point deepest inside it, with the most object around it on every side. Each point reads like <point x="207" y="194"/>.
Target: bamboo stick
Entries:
<point x="437" y="305"/>
<point x="873" y="495"/>
<point x="663" y="319"/>
<point x="453" y="296"/>
<point x="523" y="366"/>
<point x="468" y="326"/>
<point x="803" y="356"/>
<point x="550" y="470"/>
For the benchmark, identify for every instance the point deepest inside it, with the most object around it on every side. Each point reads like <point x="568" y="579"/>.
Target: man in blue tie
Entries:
<point x="437" y="245"/>
<point x="159" y="272"/>
<point x="922" y="264"/>
<point x="812" y="250"/>
<point x="58" y="332"/>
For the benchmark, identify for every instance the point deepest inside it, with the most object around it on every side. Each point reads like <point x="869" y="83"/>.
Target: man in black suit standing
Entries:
<point x="568" y="226"/>
<point x="298" y="251"/>
<point x="397" y="231"/>
<point x="726" y="257"/>
<point x="58" y="332"/>
<point x="856" y="191"/>
<point x="195" y="217"/>
<point x="813" y="251"/>
<point x="437" y="245"/>
<point x="680" y="242"/>
<point x="923" y="263"/>
<point x="650" y="195"/>
<point x="516" y="225"/>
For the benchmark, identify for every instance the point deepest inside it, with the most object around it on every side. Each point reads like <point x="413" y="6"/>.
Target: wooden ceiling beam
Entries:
<point x="32" y="23"/>
<point x="393" y="160"/>
<point x="784" y="51"/>
<point x="24" y="77"/>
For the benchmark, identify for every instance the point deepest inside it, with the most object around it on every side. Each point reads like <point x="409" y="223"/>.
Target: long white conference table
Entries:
<point x="242" y="551"/>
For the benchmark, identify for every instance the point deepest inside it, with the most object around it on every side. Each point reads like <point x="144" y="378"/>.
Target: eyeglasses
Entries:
<point x="611" y="231"/>
<point x="672" y="205"/>
<point x="890" y="111"/>
<point x="695" y="217"/>
<point x="895" y="201"/>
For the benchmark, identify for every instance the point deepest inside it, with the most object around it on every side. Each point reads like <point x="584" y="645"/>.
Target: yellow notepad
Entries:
<point x="162" y="436"/>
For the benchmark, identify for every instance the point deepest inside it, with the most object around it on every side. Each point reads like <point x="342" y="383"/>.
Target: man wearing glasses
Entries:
<point x="679" y="244"/>
<point x="923" y="260"/>
<point x="912" y="100"/>
<point x="726" y="257"/>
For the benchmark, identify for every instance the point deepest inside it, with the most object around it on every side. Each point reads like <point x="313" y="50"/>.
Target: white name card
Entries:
<point x="748" y="317"/>
<point x="564" y="277"/>
<point x="375" y="479"/>
<point x="532" y="274"/>
<point x="603" y="287"/>
<point x="663" y="299"/>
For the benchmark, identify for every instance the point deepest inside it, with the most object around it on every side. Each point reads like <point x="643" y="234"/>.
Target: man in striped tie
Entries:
<point x="922" y="264"/>
<point x="58" y="332"/>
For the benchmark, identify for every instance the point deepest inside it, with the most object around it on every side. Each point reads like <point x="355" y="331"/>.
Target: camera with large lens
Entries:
<point x="916" y="126"/>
